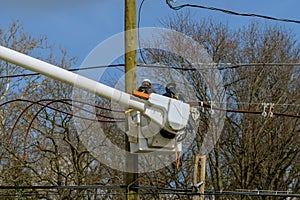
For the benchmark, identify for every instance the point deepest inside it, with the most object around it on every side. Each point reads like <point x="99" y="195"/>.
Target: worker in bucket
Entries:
<point x="171" y="91"/>
<point x="146" y="87"/>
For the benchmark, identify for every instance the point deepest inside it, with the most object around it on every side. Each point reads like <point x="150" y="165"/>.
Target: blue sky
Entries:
<point x="80" y="25"/>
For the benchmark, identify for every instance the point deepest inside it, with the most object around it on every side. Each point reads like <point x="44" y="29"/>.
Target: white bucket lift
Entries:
<point x="154" y="124"/>
<point x="158" y="128"/>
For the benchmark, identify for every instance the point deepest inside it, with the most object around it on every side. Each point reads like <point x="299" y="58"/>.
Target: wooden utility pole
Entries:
<point x="199" y="176"/>
<point x="131" y="178"/>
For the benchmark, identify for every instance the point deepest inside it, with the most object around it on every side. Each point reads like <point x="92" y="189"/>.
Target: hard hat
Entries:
<point x="170" y="84"/>
<point x="146" y="80"/>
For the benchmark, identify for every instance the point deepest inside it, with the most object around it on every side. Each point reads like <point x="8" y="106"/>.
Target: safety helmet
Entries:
<point x="171" y="88"/>
<point x="170" y="84"/>
<point x="146" y="83"/>
<point x="146" y="80"/>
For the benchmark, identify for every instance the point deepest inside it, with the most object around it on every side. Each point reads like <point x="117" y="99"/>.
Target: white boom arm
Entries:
<point x="168" y="113"/>
<point x="68" y="77"/>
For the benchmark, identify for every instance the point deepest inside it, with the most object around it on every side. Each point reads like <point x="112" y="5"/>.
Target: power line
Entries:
<point x="214" y="66"/>
<point x="257" y="104"/>
<point x="204" y="66"/>
<point x="197" y="104"/>
<point x="158" y="190"/>
<point x="229" y="12"/>
<point x="65" y="101"/>
<point x="138" y="30"/>
<point x="212" y="107"/>
<point x="111" y="119"/>
<point x="72" y="70"/>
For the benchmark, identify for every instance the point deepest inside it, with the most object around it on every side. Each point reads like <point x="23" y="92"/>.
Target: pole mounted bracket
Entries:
<point x="197" y="186"/>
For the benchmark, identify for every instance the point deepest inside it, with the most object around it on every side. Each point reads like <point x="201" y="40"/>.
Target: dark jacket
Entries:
<point x="146" y="88"/>
<point x="172" y="93"/>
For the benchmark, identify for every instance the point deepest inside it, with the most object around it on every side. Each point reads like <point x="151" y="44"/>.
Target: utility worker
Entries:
<point x="171" y="91"/>
<point x="146" y="87"/>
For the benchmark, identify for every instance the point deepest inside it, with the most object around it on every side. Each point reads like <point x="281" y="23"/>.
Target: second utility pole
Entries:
<point x="131" y="178"/>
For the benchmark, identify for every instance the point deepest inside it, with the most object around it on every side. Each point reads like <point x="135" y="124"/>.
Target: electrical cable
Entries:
<point x="61" y="101"/>
<point x="206" y="105"/>
<point x="230" y="12"/>
<point x="218" y="66"/>
<point x="71" y="114"/>
<point x="51" y="101"/>
<point x="138" y="31"/>
<point x="158" y="190"/>
<point x="197" y="104"/>
<point x="71" y="70"/>
<point x="54" y="100"/>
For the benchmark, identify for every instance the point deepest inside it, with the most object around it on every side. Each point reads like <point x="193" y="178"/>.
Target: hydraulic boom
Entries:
<point x="165" y="113"/>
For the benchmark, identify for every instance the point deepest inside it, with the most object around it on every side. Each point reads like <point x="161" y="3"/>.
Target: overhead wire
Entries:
<point x="207" y="105"/>
<point x="50" y="101"/>
<point x="47" y="105"/>
<point x="228" y="12"/>
<point x="138" y="31"/>
<point x="71" y="70"/>
<point x="204" y="66"/>
<point x="111" y="119"/>
<point x="68" y="113"/>
<point x="156" y="189"/>
<point x="79" y="116"/>
<point x="196" y="104"/>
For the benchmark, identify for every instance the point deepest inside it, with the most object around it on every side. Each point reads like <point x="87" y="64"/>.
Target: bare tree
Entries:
<point x="254" y="152"/>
